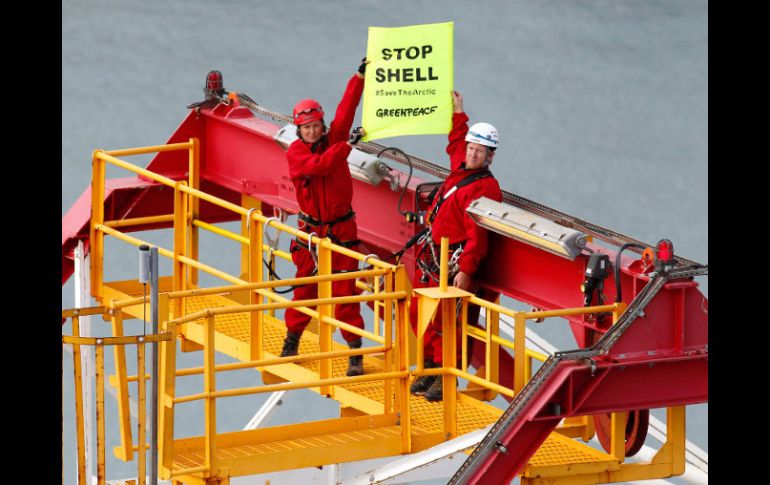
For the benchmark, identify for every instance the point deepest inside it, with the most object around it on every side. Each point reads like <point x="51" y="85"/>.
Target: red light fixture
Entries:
<point x="664" y="255"/>
<point x="214" y="83"/>
<point x="214" y="80"/>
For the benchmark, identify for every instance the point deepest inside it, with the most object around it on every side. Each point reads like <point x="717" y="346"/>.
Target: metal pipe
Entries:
<point x="141" y="419"/>
<point x="443" y="276"/>
<point x="100" y="440"/>
<point x="131" y="240"/>
<point x="570" y="311"/>
<point x="154" y="374"/>
<point x="220" y="231"/>
<point x="86" y="355"/>
<point x="150" y="149"/>
<point x="302" y="303"/>
<point x="130" y="339"/>
<point x="292" y="385"/>
<point x="231" y="289"/>
<point x="482" y="382"/>
<point x="79" y="425"/>
<point x="281" y="360"/>
<point x="266" y="410"/>
<point x="139" y="220"/>
<point x="133" y="168"/>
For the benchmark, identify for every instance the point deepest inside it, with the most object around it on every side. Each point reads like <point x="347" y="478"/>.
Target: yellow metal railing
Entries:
<point x="186" y="225"/>
<point x="396" y="365"/>
<point x="445" y="299"/>
<point x="120" y="342"/>
<point x="184" y="255"/>
<point x="396" y="368"/>
<point x="389" y="289"/>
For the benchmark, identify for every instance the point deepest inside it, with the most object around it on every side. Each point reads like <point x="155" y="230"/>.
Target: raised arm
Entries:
<point x="456" y="147"/>
<point x="346" y="110"/>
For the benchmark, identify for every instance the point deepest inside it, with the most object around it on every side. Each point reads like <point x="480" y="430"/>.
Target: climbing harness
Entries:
<point x="428" y="258"/>
<point x="318" y="224"/>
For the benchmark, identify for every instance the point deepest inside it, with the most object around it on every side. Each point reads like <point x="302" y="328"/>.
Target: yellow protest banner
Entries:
<point x="409" y="81"/>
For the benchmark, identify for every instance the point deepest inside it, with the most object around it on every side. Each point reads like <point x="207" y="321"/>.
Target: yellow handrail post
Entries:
<point x="79" y="431"/>
<point x="194" y="182"/>
<point x="126" y="449"/>
<point x="180" y="246"/>
<point x="675" y="432"/>
<point x="420" y="340"/>
<point x="97" y="217"/>
<point x="377" y="305"/>
<point x="464" y="334"/>
<point x="209" y="387"/>
<point x="271" y="262"/>
<point x="618" y="435"/>
<point x="519" y="352"/>
<point x="402" y="359"/>
<point x="449" y="351"/>
<point x="448" y="326"/>
<point x="390" y="357"/>
<point x="620" y="307"/>
<point x="249" y="204"/>
<point x="444" y="267"/>
<point x="492" y="363"/>
<point x="142" y="418"/>
<point x="324" y="310"/>
<point x="256" y="233"/>
<point x="167" y="382"/>
<point x="100" y="444"/>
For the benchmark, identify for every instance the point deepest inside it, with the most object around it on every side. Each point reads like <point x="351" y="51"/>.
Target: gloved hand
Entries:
<point x="356" y="135"/>
<point x="362" y="67"/>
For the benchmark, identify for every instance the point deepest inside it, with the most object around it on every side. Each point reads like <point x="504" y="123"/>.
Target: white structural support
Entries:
<point x="423" y="458"/>
<point x="267" y="409"/>
<point x="87" y="358"/>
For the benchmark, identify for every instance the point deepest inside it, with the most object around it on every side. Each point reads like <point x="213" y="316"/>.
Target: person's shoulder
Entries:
<point x="491" y="183"/>
<point x="297" y="144"/>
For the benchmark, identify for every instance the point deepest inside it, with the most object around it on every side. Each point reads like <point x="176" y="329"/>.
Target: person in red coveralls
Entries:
<point x="470" y="153"/>
<point x="319" y="170"/>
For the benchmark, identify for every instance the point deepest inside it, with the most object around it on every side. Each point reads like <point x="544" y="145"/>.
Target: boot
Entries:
<point x="436" y="391"/>
<point x="423" y="383"/>
<point x="355" y="362"/>
<point x="290" y="344"/>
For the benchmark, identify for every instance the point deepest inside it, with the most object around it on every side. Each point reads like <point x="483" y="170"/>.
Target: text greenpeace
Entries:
<point x="409" y="81"/>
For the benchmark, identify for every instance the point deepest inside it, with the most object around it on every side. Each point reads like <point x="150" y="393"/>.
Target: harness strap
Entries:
<point x="312" y="221"/>
<point x="346" y="244"/>
<point x="468" y="179"/>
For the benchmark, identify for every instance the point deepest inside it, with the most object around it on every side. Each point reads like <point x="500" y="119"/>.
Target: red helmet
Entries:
<point x="307" y="111"/>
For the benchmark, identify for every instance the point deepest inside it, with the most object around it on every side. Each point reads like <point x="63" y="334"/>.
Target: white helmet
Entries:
<point x="483" y="134"/>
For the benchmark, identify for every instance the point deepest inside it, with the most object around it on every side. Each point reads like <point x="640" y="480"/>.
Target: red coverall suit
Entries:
<point x="454" y="222"/>
<point x="324" y="192"/>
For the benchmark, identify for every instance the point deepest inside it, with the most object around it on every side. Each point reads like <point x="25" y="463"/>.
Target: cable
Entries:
<point x="618" y="295"/>
<point x="275" y="275"/>
<point x="403" y="190"/>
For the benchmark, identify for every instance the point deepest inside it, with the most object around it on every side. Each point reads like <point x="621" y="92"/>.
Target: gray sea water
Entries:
<point x="601" y="106"/>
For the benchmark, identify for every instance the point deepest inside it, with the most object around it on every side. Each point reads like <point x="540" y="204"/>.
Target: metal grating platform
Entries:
<point x="560" y="455"/>
<point x="557" y="454"/>
<point x="427" y="417"/>
<point x="246" y="452"/>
